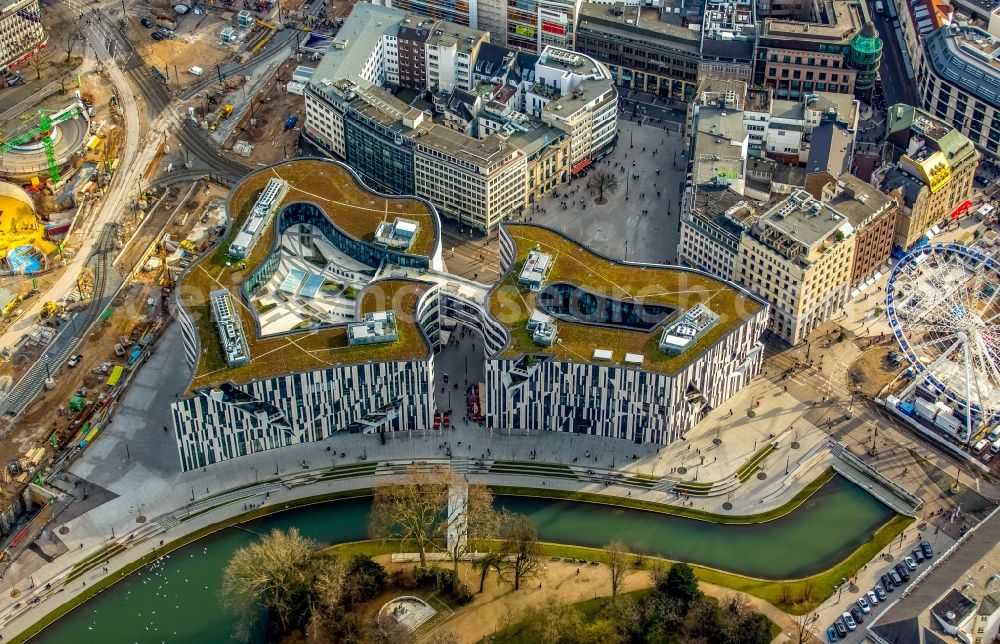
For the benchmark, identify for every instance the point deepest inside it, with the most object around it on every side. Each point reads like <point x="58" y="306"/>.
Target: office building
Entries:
<point x="833" y="48"/>
<point x="476" y="183"/>
<point x="21" y="33"/>
<point x="367" y="319"/>
<point x="958" y="79"/>
<point x="803" y="254"/>
<point x="931" y="175"/>
<point x="503" y="128"/>
<point x="653" y="49"/>
<point x="529" y="25"/>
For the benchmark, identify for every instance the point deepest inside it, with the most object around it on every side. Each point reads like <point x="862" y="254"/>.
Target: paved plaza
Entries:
<point x="641" y="221"/>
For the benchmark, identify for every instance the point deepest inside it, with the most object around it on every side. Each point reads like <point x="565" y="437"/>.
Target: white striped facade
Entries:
<point x="301" y="408"/>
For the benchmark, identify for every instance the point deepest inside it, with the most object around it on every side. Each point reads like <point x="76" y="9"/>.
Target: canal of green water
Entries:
<point x="177" y="600"/>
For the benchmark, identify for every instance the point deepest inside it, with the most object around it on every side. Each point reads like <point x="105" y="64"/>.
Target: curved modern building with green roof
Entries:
<point x="329" y="315"/>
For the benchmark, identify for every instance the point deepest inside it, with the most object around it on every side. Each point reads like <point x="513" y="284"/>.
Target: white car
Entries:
<point x="910" y="563"/>
<point x="863" y="605"/>
<point x="872" y="598"/>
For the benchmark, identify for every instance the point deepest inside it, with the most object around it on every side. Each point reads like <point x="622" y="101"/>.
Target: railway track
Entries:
<point x="65" y="343"/>
<point x="209" y="80"/>
<point x="159" y="97"/>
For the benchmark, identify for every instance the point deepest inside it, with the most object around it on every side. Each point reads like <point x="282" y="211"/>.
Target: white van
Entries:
<point x="981" y="446"/>
<point x="994" y="434"/>
<point x="995" y="447"/>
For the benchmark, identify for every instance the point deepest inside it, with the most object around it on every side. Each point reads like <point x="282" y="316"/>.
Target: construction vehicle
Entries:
<point x="224" y="112"/>
<point x="49" y="310"/>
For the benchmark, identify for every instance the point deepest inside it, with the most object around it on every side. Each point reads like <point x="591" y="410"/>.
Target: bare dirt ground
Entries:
<point x="98" y="348"/>
<point x="872" y="370"/>
<point x="196" y="44"/>
<point x="263" y="124"/>
<point x="498" y="605"/>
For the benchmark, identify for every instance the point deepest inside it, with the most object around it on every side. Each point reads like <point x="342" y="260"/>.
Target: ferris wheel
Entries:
<point x="943" y="305"/>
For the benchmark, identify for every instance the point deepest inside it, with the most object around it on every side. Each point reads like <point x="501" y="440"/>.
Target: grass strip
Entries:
<point x="745" y="472"/>
<point x="93" y="561"/>
<point x="663" y="508"/>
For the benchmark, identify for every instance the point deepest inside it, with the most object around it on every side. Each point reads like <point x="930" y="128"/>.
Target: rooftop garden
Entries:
<point x="355" y="209"/>
<point x="332" y="188"/>
<point x="512" y="304"/>
<point x="312" y="349"/>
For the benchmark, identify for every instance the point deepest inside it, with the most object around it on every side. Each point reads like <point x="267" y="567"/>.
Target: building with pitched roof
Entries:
<point x="931" y="174"/>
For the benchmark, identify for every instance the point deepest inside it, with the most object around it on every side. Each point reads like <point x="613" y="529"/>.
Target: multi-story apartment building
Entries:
<point x="641" y="369"/>
<point x="833" y="48"/>
<point x="958" y="79"/>
<point x="538" y="115"/>
<point x="477" y="183"/>
<point x="933" y="169"/>
<point x="21" y="33"/>
<point x="802" y="255"/>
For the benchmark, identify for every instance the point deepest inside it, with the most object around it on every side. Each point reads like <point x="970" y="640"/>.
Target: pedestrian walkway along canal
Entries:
<point x="178" y="600"/>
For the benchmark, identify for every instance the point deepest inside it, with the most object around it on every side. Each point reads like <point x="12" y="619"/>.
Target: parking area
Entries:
<point x="869" y="578"/>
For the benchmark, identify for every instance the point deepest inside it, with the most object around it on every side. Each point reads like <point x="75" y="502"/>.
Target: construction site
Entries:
<point x="231" y="71"/>
<point x="80" y="398"/>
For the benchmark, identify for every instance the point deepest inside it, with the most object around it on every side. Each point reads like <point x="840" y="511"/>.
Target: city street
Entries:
<point x="897" y="84"/>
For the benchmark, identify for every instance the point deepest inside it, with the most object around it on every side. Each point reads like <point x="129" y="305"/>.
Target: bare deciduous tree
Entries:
<point x="619" y="565"/>
<point x="38" y="61"/>
<point x="415" y="509"/>
<point x="603" y="182"/>
<point x="412" y="509"/>
<point x="521" y="559"/>
<point x="482" y="522"/>
<point x="69" y="41"/>
<point x="800" y="631"/>
<point x="491" y="561"/>
<point x="276" y="573"/>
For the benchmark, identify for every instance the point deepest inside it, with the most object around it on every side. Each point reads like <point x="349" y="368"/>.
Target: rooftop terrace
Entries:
<point x="670" y="286"/>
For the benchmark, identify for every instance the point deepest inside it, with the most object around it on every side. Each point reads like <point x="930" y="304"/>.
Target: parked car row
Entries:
<point x="895" y="576"/>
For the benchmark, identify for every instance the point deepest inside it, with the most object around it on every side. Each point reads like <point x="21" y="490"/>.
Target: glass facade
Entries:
<point x="572" y="303"/>
<point x="307" y="213"/>
<point x="383" y="157"/>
